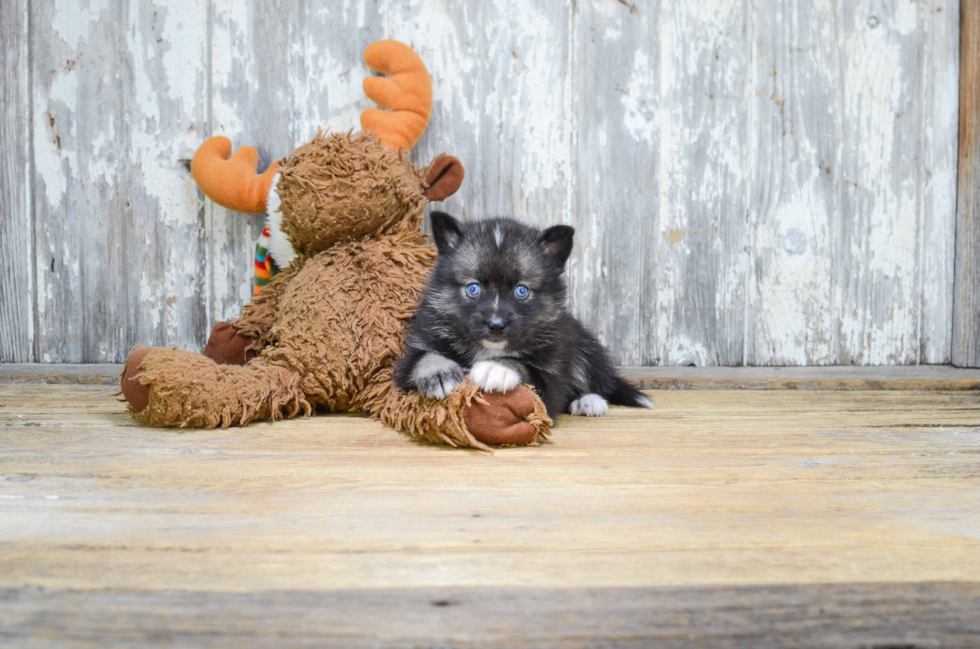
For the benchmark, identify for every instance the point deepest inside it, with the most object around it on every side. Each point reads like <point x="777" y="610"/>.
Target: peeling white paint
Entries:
<point x="683" y="351"/>
<point x="155" y="150"/>
<point x="753" y="230"/>
<point x="639" y="99"/>
<point x="702" y="155"/>
<point x="879" y="322"/>
<point x="795" y="289"/>
<point x="48" y="161"/>
<point x="544" y="140"/>
<point x="73" y="19"/>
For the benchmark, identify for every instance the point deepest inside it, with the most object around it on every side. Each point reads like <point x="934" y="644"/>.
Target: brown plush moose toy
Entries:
<point x="328" y="328"/>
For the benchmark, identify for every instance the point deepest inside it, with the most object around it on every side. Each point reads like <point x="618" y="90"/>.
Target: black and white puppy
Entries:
<point x="494" y="308"/>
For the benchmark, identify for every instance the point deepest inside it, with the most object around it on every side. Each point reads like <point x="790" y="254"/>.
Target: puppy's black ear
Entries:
<point x="556" y="242"/>
<point x="446" y="231"/>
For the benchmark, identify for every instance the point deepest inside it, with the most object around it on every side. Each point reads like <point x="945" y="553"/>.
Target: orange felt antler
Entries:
<point x="406" y="95"/>
<point x="232" y="182"/>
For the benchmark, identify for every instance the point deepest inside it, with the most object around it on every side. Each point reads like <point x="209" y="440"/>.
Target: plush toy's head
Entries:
<point x="344" y="186"/>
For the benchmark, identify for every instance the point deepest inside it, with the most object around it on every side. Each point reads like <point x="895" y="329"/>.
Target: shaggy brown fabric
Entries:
<point x="343" y="187"/>
<point x="187" y="389"/>
<point x="227" y="346"/>
<point x="259" y="314"/>
<point x="329" y="328"/>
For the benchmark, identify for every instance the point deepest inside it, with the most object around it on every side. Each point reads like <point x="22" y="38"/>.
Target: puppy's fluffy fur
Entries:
<point x="474" y="318"/>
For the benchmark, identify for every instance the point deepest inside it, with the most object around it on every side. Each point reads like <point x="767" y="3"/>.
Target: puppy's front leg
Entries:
<point x="501" y="375"/>
<point x="430" y="373"/>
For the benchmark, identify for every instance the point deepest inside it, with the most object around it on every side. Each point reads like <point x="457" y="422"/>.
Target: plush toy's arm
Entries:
<point x="259" y="315"/>
<point x="465" y="418"/>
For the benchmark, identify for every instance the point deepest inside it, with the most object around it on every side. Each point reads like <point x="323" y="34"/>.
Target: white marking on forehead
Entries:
<point x="498" y="236"/>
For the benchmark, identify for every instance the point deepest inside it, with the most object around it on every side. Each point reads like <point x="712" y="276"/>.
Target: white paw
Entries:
<point x="589" y="405"/>
<point x="494" y="377"/>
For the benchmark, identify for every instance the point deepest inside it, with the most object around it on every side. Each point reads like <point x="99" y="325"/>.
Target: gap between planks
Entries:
<point x="834" y="377"/>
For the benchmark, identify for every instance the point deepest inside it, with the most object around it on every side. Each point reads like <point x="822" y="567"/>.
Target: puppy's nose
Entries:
<point x="496" y="324"/>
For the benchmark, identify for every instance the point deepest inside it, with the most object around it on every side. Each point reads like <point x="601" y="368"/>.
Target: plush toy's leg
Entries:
<point x="465" y="418"/>
<point x="227" y="346"/>
<point x="170" y="387"/>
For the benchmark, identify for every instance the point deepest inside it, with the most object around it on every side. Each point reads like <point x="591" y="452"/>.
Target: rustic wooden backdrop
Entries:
<point x="765" y="182"/>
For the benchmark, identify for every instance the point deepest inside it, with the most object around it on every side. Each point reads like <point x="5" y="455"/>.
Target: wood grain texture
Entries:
<point x="109" y="525"/>
<point x="764" y="183"/>
<point x="929" y="615"/>
<point x="966" y="308"/>
<point x="16" y="228"/>
<point x="118" y="100"/>
<point x="938" y="132"/>
<point x="613" y="278"/>
<point x="701" y="298"/>
<point x="794" y="201"/>
<point x="85" y="373"/>
<point x="235" y="103"/>
<point x="879" y="277"/>
<point x="500" y="75"/>
<point x="712" y="487"/>
<point x="908" y="377"/>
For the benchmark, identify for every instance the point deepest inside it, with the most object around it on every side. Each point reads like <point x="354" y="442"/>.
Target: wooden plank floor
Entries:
<point x="722" y="518"/>
<point x="903" y="377"/>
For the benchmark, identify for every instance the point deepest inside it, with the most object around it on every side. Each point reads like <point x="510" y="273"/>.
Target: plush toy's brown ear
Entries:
<point x="443" y="178"/>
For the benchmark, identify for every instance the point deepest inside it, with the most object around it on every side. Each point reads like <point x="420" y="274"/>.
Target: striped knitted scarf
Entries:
<point x="265" y="267"/>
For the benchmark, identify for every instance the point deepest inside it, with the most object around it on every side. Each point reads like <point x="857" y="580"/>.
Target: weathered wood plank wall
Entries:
<point x="118" y="98"/>
<point x="16" y="225"/>
<point x="768" y="182"/>
<point x="966" y="312"/>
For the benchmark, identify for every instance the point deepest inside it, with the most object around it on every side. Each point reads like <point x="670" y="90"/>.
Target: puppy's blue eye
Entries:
<point x="521" y="291"/>
<point x="473" y="289"/>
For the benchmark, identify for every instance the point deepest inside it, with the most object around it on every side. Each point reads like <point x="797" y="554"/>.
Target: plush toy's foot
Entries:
<point x="227" y="346"/>
<point x="137" y="394"/>
<point x="509" y="418"/>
